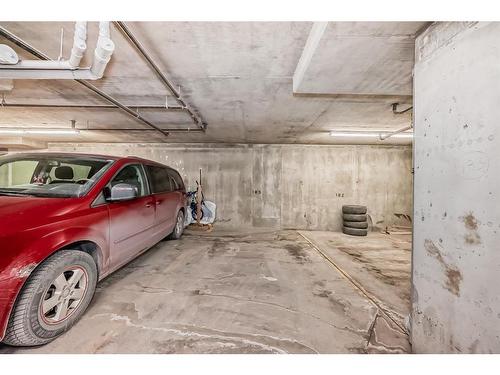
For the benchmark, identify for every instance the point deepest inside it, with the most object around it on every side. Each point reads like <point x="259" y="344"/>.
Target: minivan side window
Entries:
<point x="178" y="184"/>
<point x="133" y="175"/>
<point x="160" y="180"/>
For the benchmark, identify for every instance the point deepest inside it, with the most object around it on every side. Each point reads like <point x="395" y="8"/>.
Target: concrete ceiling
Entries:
<point x="382" y="51"/>
<point x="239" y="76"/>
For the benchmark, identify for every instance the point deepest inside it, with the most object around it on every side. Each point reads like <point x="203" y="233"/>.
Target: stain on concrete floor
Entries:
<point x="229" y="292"/>
<point x="378" y="263"/>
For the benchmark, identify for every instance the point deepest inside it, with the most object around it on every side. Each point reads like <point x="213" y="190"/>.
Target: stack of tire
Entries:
<point x="355" y="220"/>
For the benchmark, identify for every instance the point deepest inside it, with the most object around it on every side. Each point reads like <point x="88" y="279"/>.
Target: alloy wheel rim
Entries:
<point x="64" y="295"/>
<point x="180" y="219"/>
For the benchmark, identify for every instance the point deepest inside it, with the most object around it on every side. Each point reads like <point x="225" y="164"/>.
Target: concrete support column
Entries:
<point x="456" y="255"/>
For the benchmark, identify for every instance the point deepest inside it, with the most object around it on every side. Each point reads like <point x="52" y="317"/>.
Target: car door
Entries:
<point x="178" y="186"/>
<point x="132" y="221"/>
<point x="166" y="200"/>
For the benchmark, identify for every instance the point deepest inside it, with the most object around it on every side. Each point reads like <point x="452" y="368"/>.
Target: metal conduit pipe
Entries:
<point x="32" y="50"/>
<point x="128" y="34"/>
<point x="388" y="135"/>
<point x="171" y="130"/>
<point x="88" y="106"/>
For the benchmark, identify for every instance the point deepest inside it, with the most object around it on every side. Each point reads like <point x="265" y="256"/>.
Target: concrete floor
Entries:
<point x="273" y="292"/>
<point x="379" y="264"/>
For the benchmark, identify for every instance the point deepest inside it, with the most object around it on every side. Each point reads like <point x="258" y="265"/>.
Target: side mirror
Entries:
<point x="122" y="192"/>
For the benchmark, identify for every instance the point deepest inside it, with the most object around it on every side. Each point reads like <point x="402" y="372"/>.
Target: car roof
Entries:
<point x="62" y="154"/>
<point x="89" y="156"/>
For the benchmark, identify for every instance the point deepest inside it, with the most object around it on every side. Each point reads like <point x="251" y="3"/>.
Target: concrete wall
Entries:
<point x="456" y="250"/>
<point x="285" y="186"/>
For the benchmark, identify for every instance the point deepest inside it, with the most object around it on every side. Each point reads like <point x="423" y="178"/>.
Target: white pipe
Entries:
<point x="103" y="50"/>
<point x="104" y="29"/>
<point x="79" y="44"/>
<point x="38" y="65"/>
<point x="77" y="52"/>
<point x="47" y="74"/>
<point x="10" y="131"/>
<point x="67" y="69"/>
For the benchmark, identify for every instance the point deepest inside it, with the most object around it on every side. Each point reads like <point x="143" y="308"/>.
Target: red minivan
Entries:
<point x="66" y="222"/>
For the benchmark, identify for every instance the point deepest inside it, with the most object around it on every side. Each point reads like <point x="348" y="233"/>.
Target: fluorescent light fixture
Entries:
<point x="10" y="131"/>
<point x="349" y="134"/>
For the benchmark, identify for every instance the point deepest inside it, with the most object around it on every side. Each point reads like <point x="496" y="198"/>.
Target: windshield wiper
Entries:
<point x="50" y="195"/>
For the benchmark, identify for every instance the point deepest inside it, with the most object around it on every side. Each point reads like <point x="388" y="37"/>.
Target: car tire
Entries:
<point x="354" y="231"/>
<point x="179" y="226"/>
<point x="68" y="277"/>
<point x="354" y="217"/>
<point x="356" y="224"/>
<point x="353" y="209"/>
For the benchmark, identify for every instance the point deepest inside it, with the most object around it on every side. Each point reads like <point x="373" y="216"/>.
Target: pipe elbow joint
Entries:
<point x="102" y="55"/>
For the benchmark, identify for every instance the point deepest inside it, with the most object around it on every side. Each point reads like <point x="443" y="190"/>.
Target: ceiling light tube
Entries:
<point x="32" y="131"/>
<point x="359" y="134"/>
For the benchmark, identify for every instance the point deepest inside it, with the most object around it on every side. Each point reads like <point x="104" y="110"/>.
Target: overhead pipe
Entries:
<point x="395" y="109"/>
<point x="79" y="44"/>
<point x="384" y="136"/>
<point x="32" y="50"/>
<point x="170" y="130"/>
<point x="75" y="130"/>
<point x="103" y="50"/>
<point x="398" y="131"/>
<point x="67" y="69"/>
<point x="88" y="106"/>
<point x="77" y="52"/>
<point x="122" y="27"/>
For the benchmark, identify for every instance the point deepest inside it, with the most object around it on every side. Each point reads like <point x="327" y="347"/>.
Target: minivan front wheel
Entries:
<point x="179" y="226"/>
<point x="53" y="299"/>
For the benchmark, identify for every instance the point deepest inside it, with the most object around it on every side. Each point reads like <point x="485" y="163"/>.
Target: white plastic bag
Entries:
<point x="208" y="209"/>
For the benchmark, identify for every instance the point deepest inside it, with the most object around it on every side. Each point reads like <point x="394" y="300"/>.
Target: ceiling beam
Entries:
<point x="315" y="35"/>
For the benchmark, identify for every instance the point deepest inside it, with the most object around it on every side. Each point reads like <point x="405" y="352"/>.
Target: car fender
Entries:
<point x="44" y="247"/>
<point x="27" y="261"/>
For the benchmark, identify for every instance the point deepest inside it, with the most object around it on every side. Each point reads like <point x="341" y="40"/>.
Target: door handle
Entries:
<point x="158" y="202"/>
<point x="148" y="204"/>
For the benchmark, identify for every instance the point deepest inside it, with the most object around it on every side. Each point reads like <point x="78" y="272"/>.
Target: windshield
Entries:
<point x="49" y="176"/>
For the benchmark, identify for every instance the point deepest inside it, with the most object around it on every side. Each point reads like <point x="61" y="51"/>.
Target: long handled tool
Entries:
<point x="199" y="198"/>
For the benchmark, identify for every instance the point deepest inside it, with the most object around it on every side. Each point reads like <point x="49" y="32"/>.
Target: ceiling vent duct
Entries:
<point x="63" y="69"/>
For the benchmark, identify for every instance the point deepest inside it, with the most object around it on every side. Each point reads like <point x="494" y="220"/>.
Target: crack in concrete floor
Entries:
<point x="391" y="314"/>
<point x="220" y="335"/>
<point x="177" y="298"/>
